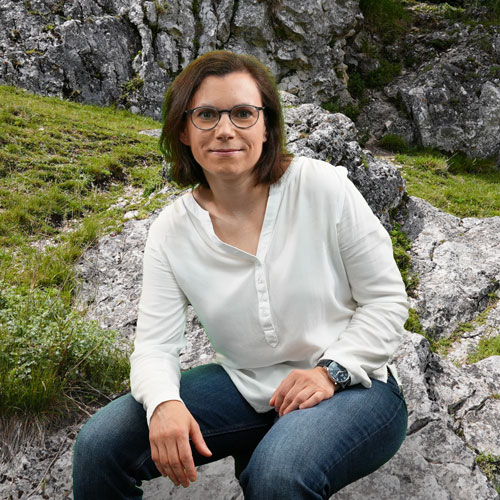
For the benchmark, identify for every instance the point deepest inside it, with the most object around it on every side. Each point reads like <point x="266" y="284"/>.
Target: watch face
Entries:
<point x="338" y="374"/>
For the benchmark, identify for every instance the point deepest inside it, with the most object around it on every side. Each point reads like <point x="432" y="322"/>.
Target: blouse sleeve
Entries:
<point x="155" y="366"/>
<point x="376" y="326"/>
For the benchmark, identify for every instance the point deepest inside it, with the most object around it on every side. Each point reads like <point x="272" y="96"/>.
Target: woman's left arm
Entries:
<point x="376" y="326"/>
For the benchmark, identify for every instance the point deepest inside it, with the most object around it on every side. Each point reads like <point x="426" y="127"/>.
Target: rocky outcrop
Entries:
<point x="448" y="94"/>
<point x="453" y="411"/>
<point x="123" y="51"/>
<point x="457" y="264"/>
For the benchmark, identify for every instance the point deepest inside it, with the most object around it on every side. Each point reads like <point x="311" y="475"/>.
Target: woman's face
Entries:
<point x="226" y="151"/>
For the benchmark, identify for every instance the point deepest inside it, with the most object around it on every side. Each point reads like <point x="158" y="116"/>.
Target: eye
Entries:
<point x="243" y="113"/>
<point x="205" y="114"/>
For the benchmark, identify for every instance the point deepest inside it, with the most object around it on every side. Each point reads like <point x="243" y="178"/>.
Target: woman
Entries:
<point x="293" y="278"/>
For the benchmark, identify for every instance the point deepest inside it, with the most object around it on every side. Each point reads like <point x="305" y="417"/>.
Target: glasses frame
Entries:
<point x="228" y="111"/>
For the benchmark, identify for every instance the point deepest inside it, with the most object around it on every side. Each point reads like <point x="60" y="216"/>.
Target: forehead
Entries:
<point x="227" y="91"/>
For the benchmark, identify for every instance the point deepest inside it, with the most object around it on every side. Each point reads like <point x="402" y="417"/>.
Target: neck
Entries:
<point x="236" y="197"/>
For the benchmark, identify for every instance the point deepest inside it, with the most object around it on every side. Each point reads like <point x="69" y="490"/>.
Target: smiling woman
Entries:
<point x="294" y="280"/>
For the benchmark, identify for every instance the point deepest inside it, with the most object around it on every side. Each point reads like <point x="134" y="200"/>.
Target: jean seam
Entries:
<point x="216" y="432"/>
<point x="402" y="402"/>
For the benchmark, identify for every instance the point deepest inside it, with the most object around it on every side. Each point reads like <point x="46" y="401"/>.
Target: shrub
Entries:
<point x="394" y="143"/>
<point x="384" y="74"/>
<point x="50" y="356"/>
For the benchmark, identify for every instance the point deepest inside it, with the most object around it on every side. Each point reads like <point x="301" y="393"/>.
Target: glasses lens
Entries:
<point x="205" y="118"/>
<point x="244" y="116"/>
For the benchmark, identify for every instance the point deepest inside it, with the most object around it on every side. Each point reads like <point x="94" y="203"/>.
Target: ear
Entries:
<point x="265" y="134"/>
<point x="184" y="137"/>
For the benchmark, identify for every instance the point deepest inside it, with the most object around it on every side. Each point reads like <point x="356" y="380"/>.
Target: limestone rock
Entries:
<point x="457" y="264"/>
<point x="448" y="94"/>
<point x="316" y="133"/>
<point x="127" y="52"/>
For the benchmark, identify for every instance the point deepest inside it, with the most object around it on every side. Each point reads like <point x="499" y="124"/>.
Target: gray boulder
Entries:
<point x="448" y="94"/>
<point x="457" y="264"/>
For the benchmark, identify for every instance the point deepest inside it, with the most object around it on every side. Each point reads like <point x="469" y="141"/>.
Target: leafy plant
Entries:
<point x="50" y="356"/>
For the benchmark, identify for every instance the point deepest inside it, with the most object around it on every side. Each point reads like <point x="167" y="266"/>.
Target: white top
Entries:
<point x="323" y="284"/>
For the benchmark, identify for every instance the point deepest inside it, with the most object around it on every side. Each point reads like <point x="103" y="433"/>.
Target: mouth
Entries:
<point x="225" y="150"/>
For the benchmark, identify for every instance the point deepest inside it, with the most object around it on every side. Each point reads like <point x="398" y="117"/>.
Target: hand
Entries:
<point x="302" y="389"/>
<point x="170" y="427"/>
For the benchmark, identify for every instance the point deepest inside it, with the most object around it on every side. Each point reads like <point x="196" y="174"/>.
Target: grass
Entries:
<point x="63" y="166"/>
<point x="458" y="185"/>
<point x="61" y="163"/>
<point x="487" y="347"/>
<point x="388" y="18"/>
<point x="490" y="465"/>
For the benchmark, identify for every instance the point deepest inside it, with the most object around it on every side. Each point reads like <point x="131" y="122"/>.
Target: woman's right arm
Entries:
<point x="155" y="367"/>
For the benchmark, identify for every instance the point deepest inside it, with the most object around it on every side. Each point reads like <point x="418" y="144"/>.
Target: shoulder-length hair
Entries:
<point x="184" y="169"/>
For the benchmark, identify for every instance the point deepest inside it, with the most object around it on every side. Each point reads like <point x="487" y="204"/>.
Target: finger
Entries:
<point x="198" y="441"/>
<point x="186" y="462"/>
<point x="281" y="392"/>
<point x="174" y="459"/>
<point x="171" y="465"/>
<point x="292" y="401"/>
<point x="315" y="399"/>
<point x="170" y="474"/>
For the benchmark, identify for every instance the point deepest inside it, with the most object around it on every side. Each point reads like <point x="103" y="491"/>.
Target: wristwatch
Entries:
<point x="339" y="375"/>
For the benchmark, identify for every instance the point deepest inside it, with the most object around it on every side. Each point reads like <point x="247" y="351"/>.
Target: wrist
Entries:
<point x="336" y="372"/>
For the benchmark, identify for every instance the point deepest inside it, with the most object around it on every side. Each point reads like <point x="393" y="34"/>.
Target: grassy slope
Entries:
<point x="62" y="166"/>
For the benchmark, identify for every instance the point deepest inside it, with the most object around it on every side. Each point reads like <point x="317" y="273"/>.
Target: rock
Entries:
<point x="127" y="52"/>
<point x="316" y="133"/>
<point x="457" y="264"/>
<point x="448" y="94"/>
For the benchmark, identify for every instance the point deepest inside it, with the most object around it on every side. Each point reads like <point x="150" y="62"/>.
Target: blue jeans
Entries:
<point x="306" y="454"/>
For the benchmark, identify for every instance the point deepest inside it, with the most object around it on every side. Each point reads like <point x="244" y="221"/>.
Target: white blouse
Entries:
<point x="323" y="284"/>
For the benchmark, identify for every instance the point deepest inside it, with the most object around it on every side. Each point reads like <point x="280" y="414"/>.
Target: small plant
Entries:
<point x="394" y="143"/>
<point x="487" y="347"/>
<point x="401" y="244"/>
<point x="356" y="85"/>
<point x="384" y="74"/>
<point x="49" y="355"/>
<point x="490" y="465"/>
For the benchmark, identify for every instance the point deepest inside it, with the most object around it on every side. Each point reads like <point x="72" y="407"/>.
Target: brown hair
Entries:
<point x="184" y="169"/>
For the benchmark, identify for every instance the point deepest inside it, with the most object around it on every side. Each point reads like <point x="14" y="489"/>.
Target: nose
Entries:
<point x="225" y="127"/>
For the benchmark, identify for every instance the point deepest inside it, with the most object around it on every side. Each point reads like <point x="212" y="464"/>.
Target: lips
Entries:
<point x="225" y="150"/>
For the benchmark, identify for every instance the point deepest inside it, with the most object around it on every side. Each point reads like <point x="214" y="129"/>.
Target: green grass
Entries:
<point x="490" y="465"/>
<point x="458" y="185"/>
<point x="61" y="163"/>
<point x="388" y="18"/>
<point x="487" y="347"/>
<point x="63" y="166"/>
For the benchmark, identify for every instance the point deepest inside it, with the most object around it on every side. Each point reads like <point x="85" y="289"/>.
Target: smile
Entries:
<point x="225" y="151"/>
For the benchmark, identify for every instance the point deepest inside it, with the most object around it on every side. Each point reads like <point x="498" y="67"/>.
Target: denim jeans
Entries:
<point x="306" y="454"/>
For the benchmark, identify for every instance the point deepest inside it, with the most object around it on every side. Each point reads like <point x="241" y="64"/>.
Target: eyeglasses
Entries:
<point x="241" y="116"/>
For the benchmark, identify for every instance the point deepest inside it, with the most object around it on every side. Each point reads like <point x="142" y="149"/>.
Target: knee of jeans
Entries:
<point x="279" y="475"/>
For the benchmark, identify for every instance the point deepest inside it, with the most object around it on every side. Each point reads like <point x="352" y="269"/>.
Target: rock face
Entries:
<point x="457" y="264"/>
<point x="127" y="51"/>
<point x="448" y="94"/>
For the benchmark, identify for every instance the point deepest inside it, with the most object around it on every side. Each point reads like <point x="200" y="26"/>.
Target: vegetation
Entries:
<point x="389" y="18"/>
<point x="61" y="163"/>
<point x="462" y="186"/>
<point x="487" y="347"/>
<point x="490" y="465"/>
<point x="63" y="166"/>
<point x="50" y="357"/>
